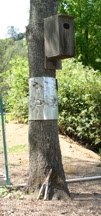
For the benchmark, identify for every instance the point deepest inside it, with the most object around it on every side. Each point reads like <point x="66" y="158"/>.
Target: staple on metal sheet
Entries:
<point x="43" y="98"/>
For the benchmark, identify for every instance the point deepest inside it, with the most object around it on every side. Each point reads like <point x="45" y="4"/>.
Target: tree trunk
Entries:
<point x="44" y="150"/>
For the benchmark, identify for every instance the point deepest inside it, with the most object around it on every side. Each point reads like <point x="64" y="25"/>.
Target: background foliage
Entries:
<point x="14" y="83"/>
<point x="80" y="102"/>
<point x="87" y="15"/>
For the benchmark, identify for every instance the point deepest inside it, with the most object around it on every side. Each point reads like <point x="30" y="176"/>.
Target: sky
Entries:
<point x="13" y="13"/>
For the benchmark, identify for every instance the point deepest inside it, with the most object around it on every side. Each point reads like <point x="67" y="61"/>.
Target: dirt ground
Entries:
<point x="77" y="162"/>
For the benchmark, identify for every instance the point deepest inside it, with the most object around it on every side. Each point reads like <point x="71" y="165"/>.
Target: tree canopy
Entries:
<point x="87" y="15"/>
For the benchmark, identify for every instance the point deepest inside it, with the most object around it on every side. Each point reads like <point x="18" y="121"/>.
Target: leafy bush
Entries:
<point x="80" y="102"/>
<point x="15" y="88"/>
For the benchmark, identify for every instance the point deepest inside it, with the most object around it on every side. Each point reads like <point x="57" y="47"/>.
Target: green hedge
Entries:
<point x="80" y="102"/>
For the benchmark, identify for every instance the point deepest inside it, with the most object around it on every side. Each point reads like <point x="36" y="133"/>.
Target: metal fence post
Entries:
<point x="4" y="142"/>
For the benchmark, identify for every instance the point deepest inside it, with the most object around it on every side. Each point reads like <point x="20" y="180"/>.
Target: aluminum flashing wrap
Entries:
<point x="43" y="98"/>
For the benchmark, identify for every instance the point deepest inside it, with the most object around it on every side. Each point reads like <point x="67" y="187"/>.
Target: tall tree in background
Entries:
<point x="87" y="27"/>
<point x="44" y="149"/>
<point x="6" y="52"/>
<point x="12" y="32"/>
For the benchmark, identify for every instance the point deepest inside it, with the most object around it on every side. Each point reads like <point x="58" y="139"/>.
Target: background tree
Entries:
<point x="12" y="32"/>
<point x="44" y="150"/>
<point x="5" y="53"/>
<point x="87" y="28"/>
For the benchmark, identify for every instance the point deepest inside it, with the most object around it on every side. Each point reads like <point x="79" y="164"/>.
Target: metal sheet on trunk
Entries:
<point x="43" y="98"/>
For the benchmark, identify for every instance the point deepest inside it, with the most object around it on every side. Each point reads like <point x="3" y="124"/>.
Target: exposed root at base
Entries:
<point x="52" y="193"/>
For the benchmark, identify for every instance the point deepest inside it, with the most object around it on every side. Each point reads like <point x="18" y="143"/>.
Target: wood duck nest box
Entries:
<point x="59" y="38"/>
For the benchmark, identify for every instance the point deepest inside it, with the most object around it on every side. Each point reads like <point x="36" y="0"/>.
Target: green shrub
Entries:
<point x="80" y="102"/>
<point x="15" y="85"/>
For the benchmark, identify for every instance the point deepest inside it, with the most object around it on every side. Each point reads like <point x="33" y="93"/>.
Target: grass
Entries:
<point x="13" y="165"/>
<point x="8" y="192"/>
<point x="70" y="169"/>
<point x="4" y="192"/>
<point x="99" y="165"/>
<point x="9" y="117"/>
<point x="17" y="148"/>
<point x="100" y="153"/>
<point x="1" y="148"/>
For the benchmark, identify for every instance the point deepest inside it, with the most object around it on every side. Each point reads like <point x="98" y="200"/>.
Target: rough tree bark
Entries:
<point x="44" y="149"/>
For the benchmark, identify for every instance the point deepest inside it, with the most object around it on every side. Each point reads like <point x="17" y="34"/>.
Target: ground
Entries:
<point x="77" y="162"/>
